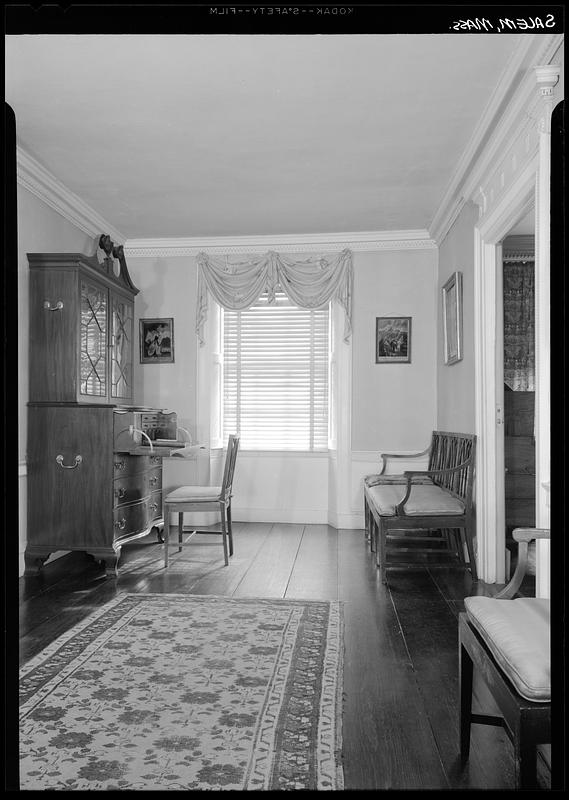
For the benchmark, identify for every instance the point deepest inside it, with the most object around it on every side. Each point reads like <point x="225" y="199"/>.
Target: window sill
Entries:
<point x="283" y="453"/>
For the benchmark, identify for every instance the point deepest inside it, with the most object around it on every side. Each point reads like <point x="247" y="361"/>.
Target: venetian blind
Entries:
<point x="275" y="375"/>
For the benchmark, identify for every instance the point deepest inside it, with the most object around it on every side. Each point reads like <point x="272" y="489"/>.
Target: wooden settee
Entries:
<point x="438" y="499"/>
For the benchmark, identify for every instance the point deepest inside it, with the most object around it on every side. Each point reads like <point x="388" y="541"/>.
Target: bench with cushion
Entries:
<point x="436" y="499"/>
<point x="508" y="641"/>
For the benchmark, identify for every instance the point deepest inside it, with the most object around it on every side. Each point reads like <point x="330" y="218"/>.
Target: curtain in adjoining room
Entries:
<point x="519" y="325"/>
<point x="310" y="283"/>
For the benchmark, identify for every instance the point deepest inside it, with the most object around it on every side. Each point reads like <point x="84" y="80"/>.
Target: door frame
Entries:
<point x="489" y="388"/>
<point x="517" y="175"/>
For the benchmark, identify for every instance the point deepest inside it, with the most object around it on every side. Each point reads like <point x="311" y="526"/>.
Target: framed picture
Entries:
<point x="156" y="341"/>
<point x="452" y="318"/>
<point x="393" y="340"/>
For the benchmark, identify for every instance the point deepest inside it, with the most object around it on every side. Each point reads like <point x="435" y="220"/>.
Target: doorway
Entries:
<point x="518" y="305"/>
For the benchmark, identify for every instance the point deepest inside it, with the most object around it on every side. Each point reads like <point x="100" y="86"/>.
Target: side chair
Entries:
<point x="204" y="498"/>
<point x="508" y="642"/>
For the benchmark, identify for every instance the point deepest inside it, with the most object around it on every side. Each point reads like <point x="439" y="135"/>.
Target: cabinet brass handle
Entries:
<point x="156" y="459"/>
<point x="120" y="524"/>
<point x="78" y="460"/>
<point x="153" y="480"/>
<point x="120" y="492"/>
<point x="48" y="306"/>
<point x="120" y="464"/>
<point x="153" y="506"/>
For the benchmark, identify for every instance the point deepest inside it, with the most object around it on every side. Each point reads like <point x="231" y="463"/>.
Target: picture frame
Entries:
<point x="156" y="337"/>
<point x="452" y="319"/>
<point x="393" y="340"/>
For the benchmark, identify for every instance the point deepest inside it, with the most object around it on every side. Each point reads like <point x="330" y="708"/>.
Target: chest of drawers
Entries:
<point x="83" y="495"/>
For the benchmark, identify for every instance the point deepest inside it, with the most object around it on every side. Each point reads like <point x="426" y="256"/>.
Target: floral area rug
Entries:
<point x="187" y="692"/>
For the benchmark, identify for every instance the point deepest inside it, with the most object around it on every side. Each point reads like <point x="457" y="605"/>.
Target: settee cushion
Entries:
<point x="424" y="500"/>
<point x="189" y="494"/>
<point x="517" y="633"/>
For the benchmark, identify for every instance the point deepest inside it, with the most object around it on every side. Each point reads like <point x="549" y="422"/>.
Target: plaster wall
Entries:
<point x="455" y="382"/>
<point x="394" y="406"/>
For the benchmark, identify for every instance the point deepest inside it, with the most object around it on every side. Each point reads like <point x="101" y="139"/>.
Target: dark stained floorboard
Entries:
<point x="400" y="720"/>
<point x="429" y="628"/>
<point x="387" y="738"/>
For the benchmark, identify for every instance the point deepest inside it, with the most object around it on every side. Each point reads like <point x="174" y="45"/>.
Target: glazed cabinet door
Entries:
<point x="121" y="347"/>
<point x="70" y="478"/>
<point x="93" y="341"/>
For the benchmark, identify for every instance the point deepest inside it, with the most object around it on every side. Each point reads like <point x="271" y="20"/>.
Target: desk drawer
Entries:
<point x="155" y="506"/>
<point x="131" y="519"/>
<point x="125" y="465"/>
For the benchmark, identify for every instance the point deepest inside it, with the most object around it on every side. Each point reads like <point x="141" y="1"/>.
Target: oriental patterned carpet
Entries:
<point x="174" y="692"/>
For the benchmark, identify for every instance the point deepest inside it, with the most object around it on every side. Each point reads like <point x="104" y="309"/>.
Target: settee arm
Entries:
<point x="523" y="536"/>
<point x="385" y="456"/>
<point x="429" y="473"/>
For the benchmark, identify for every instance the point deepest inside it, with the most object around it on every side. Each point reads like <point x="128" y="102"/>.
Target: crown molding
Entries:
<point x="43" y="184"/>
<point x="284" y="243"/>
<point x="531" y="50"/>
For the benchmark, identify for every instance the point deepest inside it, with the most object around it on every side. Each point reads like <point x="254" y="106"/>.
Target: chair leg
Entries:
<point x="459" y="546"/>
<point x="466" y="668"/>
<point x="229" y="528"/>
<point x="382" y="533"/>
<point x="224" y="533"/>
<point x="180" y="530"/>
<point x="525" y="767"/>
<point x="166" y="533"/>
<point x="470" y="548"/>
<point x="366" y="520"/>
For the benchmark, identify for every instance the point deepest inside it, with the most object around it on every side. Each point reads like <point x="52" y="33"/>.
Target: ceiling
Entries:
<point x="224" y="135"/>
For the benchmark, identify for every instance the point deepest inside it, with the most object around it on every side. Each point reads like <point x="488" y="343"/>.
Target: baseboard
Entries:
<point x="302" y="516"/>
<point x="350" y="521"/>
<point x="306" y="516"/>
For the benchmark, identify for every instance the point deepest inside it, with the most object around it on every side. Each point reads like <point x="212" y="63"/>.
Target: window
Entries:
<point x="275" y="376"/>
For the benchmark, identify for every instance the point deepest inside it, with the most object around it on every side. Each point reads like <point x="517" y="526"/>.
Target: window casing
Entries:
<point x="276" y="376"/>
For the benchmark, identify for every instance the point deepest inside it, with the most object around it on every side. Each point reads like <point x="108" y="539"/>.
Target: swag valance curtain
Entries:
<point x="310" y="283"/>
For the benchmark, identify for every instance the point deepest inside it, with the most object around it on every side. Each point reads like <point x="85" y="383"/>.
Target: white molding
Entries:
<point x="300" y="516"/>
<point x="22" y="469"/>
<point x="503" y="202"/>
<point x="469" y="171"/>
<point x="364" y="241"/>
<point x="348" y="521"/>
<point x="43" y="184"/>
<point x="453" y="200"/>
<point x="490" y="507"/>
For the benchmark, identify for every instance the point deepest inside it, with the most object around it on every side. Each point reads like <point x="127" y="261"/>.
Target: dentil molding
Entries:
<point x="471" y="179"/>
<point x="285" y="243"/>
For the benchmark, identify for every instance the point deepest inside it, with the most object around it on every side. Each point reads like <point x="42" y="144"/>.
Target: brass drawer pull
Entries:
<point x="154" y="506"/>
<point x="78" y="460"/>
<point x="153" y="480"/>
<point x="120" y="524"/>
<point x="120" y="464"/>
<point x="156" y="459"/>
<point x="120" y="492"/>
<point x="48" y="306"/>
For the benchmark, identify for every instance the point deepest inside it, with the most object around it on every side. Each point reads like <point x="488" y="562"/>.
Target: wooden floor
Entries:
<point x="400" y="722"/>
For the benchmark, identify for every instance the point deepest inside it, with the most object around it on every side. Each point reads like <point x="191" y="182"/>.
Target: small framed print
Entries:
<point x="393" y="340"/>
<point x="156" y="341"/>
<point x="452" y="318"/>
